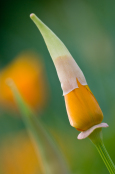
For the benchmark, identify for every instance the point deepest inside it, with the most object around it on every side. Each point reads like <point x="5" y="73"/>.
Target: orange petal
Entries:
<point x="82" y="108"/>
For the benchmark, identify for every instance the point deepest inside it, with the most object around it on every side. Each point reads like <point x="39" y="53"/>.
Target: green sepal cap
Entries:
<point x="54" y="44"/>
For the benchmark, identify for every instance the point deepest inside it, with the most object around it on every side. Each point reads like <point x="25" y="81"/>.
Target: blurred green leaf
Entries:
<point x="51" y="157"/>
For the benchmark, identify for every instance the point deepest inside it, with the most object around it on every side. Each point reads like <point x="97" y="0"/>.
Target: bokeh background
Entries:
<point x="87" y="28"/>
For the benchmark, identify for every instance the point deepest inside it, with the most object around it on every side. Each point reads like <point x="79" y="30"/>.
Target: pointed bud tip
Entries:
<point x="32" y="15"/>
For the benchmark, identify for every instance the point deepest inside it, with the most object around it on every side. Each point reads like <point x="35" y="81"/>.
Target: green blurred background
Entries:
<point x="87" y="28"/>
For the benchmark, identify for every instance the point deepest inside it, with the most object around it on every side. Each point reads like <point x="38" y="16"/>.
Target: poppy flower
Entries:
<point x="19" y="156"/>
<point x="28" y="73"/>
<point x="82" y="107"/>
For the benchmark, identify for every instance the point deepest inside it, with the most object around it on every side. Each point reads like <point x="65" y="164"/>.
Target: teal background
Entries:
<point x="87" y="28"/>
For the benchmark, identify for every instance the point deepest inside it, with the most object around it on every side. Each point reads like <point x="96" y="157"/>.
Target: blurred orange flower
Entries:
<point x="28" y="73"/>
<point x="18" y="156"/>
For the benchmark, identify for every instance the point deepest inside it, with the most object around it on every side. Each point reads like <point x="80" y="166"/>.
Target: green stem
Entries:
<point x="106" y="158"/>
<point x="96" y="138"/>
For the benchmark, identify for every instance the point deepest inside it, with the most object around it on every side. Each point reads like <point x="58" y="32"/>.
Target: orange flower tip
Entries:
<point x="85" y="134"/>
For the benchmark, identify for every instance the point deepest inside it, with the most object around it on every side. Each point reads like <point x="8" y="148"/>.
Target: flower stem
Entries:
<point x="96" y="138"/>
<point x="106" y="158"/>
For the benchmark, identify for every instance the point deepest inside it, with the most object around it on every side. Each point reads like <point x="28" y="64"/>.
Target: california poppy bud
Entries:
<point x="82" y="107"/>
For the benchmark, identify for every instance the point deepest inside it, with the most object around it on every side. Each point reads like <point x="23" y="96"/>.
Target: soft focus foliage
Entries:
<point x="87" y="28"/>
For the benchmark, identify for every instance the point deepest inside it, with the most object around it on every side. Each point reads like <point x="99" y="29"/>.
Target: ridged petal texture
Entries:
<point x="82" y="108"/>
